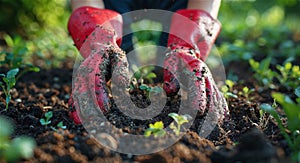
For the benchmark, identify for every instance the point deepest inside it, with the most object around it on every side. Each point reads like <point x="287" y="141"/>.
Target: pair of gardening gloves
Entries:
<point x="97" y="34"/>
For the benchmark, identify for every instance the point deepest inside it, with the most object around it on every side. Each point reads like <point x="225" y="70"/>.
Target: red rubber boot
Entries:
<point x="192" y="34"/>
<point x="97" y="34"/>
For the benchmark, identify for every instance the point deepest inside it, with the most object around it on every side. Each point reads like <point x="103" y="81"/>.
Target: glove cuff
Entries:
<point x="193" y="29"/>
<point x="84" y="20"/>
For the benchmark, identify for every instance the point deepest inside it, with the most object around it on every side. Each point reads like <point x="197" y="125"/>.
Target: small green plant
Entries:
<point x="156" y="129"/>
<point x="9" y="82"/>
<point x="263" y="73"/>
<point x="180" y="120"/>
<point x="289" y="75"/>
<point x="228" y="89"/>
<point x="246" y="93"/>
<point x="15" y="58"/>
<point x="59" y="125"/>
<point x="145" y="73"/>
<point x="148" y="89"/>
<point x="15" y="149"/>
<point x="292" y="111"/>
<point x="45" y="121"/>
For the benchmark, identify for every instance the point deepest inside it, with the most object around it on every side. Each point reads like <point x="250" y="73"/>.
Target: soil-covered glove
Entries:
<point x="192" y="34"/>
<point x="97" y="34"/>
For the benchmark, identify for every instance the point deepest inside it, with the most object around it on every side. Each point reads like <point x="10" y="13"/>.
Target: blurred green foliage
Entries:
<point x="28" y="18"/>
<point x="250" y="29"/>
<point x="41" y="27"/>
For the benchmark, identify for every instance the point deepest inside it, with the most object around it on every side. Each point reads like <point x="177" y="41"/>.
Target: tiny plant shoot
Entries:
<point x="156" y="129"/>
<point x="179" y="119"/>
<point x="45" y="121"/>
<point x="9" y="82"/>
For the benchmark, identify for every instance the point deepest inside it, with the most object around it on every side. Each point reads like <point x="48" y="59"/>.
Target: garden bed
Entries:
<point x="245" y="136"/>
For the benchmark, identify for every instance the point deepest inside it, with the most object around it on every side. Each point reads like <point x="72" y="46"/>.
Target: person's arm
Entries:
<point x="92" y="3"/>
<point x="210" y="6"/>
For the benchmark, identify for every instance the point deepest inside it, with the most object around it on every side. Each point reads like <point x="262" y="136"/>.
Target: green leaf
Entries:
<point x="224" y="88"/>
<point x="34" y="69"/>
<point x="9" y="41"/>
<point x="144" y="87"/>
<point x="43" y="122"/>
<point x="229" y="83"/>
<point x="151" y="75"/>
<point x="174" y="116"/>
<point x="288" y="66"/>
<point x="265" y="64"/>
<point x="254" y="64"/>
<point x="12" y="73"/>
<point x="291" y="110"/>
<point x="49" y="114"/>
<point x="229" y="94"/>
<point x="148" y="132"/>
<point x="269" y="109"/>
<point x="245" y="89"/>
<point x="157" y="89"/>
<point x="61" y="125"/>
<point x="157" y="125"/>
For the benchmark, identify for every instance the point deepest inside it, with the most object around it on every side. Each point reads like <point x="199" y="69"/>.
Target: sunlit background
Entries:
<point x="250" y="29"/>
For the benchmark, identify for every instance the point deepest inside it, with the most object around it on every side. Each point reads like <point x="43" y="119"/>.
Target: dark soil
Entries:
<point x="243" y="137"/>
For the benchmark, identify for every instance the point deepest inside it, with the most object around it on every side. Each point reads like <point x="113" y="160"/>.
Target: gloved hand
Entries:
<point x="192" y="34"/>
<point x="97" y="34"/>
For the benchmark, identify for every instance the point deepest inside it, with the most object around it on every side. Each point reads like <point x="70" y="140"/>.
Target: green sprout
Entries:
<point x="292" y="111"/>
<point x="148" y="89"/>
<point x="228" y="89"/>
<point x="262" y="72"/>
<point x="59" y="125"/>
<point x="289" y="75"/>
<point x="246" y="93"/>
<point x="45" y="121"/>
<point x="145" y="73"/>
<point x="10" y="81"/>
<point x="15" y="149"/>
<point x="156" y="129"/>
<point x="15" y="59"/>
<point x="180" y="120"/>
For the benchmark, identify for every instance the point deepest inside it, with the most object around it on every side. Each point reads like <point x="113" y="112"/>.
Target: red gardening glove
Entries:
<point x="97" y="34"/>
<point x="192" y="34"/>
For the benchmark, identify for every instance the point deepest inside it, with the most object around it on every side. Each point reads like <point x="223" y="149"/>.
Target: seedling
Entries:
<point x="45" y="121"/>
<point x="228" y="89"/>
<point x="145" y="73"/>
<point x="292" y="111"/>
<point x="59" y="125"/>
<point x="180" y="120"/>
<point x="246" y="93"/>
<point x="289" y="75"/>
<point x="9" y="82"/>
<point x="263" y="73"/>
<point x="148" y="89"/>
<point x="13" y="150"/>
<point x="156" y="129"/>
<point x="15" y="59"/>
